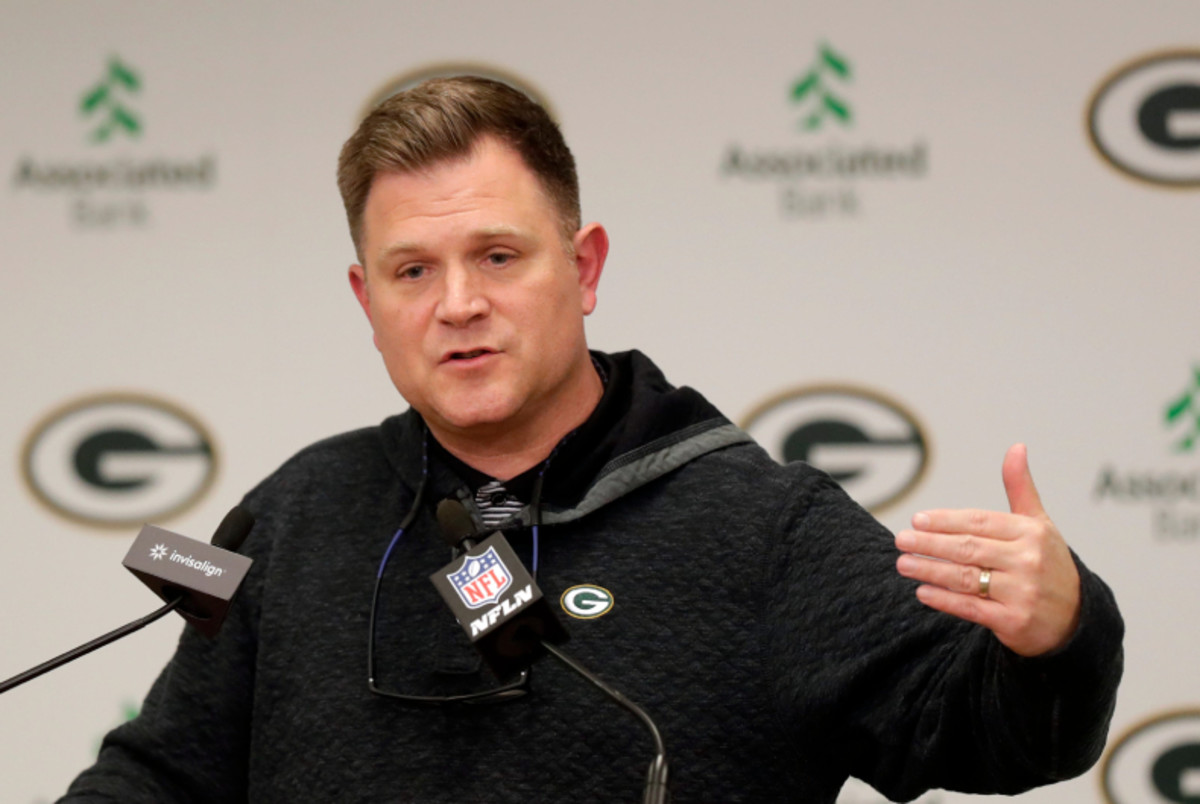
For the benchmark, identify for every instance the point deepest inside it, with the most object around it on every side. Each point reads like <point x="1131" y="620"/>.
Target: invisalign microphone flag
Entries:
<point x="206" y="576"/>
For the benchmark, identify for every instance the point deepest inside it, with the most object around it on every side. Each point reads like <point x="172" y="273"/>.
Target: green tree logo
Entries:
<point x="102" y="102"/>
<point x="1186" y="408"/>
<point x="813" y="92"/>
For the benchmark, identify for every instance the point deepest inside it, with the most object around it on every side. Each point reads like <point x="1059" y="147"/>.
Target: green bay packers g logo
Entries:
<point x="870" y="444"/>
<point x="1155" y="762"/>
<point x="587" y="602"/>
<point x="115" y="460"/>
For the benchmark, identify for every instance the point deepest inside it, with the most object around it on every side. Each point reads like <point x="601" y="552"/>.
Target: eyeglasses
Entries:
<point x="509" y="691"/>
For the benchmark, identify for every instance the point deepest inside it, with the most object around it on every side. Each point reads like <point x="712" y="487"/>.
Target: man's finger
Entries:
<point x="964" y="579"/>
<point x="966" y="550"/>
<point x="972" y="608"/>
<point x="989" y="524"/>
<point x="1023" y="496"/>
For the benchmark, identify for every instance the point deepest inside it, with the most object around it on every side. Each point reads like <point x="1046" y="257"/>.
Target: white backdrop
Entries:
<point x="1007" y="284"/>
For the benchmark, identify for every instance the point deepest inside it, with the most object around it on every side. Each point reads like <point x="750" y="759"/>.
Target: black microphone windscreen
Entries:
<point x="234" y="529"/>
<point x="454" y="521"/>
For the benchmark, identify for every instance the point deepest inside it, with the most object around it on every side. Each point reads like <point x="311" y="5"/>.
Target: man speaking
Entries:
<point x="780" y="637"/>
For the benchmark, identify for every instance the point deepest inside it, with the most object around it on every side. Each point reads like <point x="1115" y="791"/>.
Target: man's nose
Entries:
<point x="464" y="297"/>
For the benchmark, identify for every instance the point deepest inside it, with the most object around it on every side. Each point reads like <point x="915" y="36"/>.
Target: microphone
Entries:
<point x="202" y="589"/>
<point x="233" y="530"/>
<point x="456" y="524"/>
<point x="493" y="597"/>
<point x="205" y="577"/>
<point x="505" y="616"/>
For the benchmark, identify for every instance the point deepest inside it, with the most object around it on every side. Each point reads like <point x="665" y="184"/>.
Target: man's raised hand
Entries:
<point x="1009" y="572"/>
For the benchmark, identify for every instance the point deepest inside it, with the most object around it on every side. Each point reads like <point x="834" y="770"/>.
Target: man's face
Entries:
<point x="476" y="302"/>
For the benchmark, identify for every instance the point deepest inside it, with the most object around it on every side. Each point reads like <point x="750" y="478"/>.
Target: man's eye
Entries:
<point x="499" y="259"/>
<point x="412" y="272"/>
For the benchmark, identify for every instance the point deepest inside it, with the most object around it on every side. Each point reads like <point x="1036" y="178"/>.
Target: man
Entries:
<point x="765" y="621"/>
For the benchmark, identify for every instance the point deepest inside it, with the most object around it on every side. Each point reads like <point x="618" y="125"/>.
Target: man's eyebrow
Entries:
<point x="499" y="229"/>
<point x="401" y="247"/>
<point x="483" y="233"/>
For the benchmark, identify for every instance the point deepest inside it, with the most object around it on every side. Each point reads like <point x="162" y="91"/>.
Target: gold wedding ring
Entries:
<point x="985" y="582"/>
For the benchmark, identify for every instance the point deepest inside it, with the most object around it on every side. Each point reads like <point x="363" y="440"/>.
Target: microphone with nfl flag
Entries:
<point x="504" y="614"/>
<point x="493" y="596"/>
<point x="497" y="603"/>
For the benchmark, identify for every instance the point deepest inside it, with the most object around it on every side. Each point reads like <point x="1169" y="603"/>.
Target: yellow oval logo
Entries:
<point x="586" y="602"/>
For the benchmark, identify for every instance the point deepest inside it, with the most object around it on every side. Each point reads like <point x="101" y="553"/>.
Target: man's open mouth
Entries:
<point x="468" y="355"/>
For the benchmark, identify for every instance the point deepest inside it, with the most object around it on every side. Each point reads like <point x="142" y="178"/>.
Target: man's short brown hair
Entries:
<point x="442" y="119"/>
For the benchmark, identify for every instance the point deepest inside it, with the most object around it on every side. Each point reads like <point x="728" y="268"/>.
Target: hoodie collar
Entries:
<point x="639" y="414"/>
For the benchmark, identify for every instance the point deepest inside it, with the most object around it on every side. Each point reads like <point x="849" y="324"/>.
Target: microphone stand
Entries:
<point x="83" y="650"/>
<point x="230" y="534"/>
<point x="458" y="530"/>
<point x="656" y="791"/>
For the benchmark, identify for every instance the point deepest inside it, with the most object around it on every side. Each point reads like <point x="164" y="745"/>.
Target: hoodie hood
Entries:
<point x="642" y="428"/>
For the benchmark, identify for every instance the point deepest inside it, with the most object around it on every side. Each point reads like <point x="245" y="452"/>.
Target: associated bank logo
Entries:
<point x="586" y="602"/>
<point x="118" y="460"/>
<point x="105" y="103"/>
<point x="1169" y="490"/>
<point x="817" y="91"/>
<point x="1183" y="415"/>
<point x="867" y="442"/>
<point x="1145" y="119"/>
<point x="410" y="79"/>
<point x="1155" y="762"/>
<point x="824" y="174"/>
<point x="111" y="186"/>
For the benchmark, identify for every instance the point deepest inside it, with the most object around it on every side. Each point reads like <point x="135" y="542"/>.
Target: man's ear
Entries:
<point x="591" y="249"/>
<point x="358" y="283"/>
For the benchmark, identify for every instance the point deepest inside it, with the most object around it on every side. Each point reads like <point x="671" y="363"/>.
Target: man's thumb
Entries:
<point x="1018" y="483"/>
